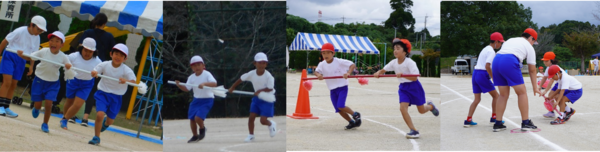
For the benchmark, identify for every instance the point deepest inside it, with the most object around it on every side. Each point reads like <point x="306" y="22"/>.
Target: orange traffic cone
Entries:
<point x="303" y="103"/>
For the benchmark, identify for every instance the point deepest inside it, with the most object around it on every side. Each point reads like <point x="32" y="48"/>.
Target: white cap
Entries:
<point x="123" y="48"/>
<point x="196" y="59"/>
<point x="89" y="43"/>
<point x="260" y="57"/>
<point x="39" y="21"/>
<point x="57" y="34"/>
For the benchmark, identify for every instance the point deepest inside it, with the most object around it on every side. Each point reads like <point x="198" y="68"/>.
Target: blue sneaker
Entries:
<point x="45" y="127"/>
<point x="10" y="113"/>
<point x="35" y="113"/>
<point x="95" y="141"/>
<point x="104" y="127"/>
<point x="413" y="134"/>
<point x="63" y="123"/>
<point x="435" y="111"/>
<point x="469" y="124"/>
<point x="2" y="111"/>
<point x="493" y="121"/>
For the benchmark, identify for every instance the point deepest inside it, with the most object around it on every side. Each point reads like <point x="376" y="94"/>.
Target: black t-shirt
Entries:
<point x="104" y="42"/>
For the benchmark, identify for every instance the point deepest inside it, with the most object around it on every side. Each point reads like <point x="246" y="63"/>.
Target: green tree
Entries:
<point x="401" y="17"/>
<point x="429" y="55"/>
<point x="467" y="25"/>
<point x="566" y="26"/>
<point x="582" y="44"/>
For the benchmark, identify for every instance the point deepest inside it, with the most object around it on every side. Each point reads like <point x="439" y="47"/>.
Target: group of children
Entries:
<point x="504" y="68"/>
<point x="261" y="80"/>
<point x="26" y="41"/>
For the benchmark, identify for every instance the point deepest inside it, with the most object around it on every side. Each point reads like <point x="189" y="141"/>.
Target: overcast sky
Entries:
<point x="555" y="12"/>
<point x="368" y="11"/>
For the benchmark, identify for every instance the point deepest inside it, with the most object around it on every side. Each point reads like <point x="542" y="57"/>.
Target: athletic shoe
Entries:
<point x="469" y="124"/>
<point x="73" y="119"/>
<point x="493" y="121"/>
<point x="557" y="121"/>
<point x="10" y="113"/>
<point x="35" y="112"/>
<point x="499" y="127"/>
<point x="194" y="139"/>
<point x="549" y="114"/>
<point x="357" y="120"/>
<point x="413" y="134"/>
<point x="527" y="127"/>
<point x="45" y="127"/>
<point x="202" y="133"/>
<point x="350" y="125"/>
<point x="104" y="127"/>
<point x="2" y="111"/>
<point x="569" y="114"/>
<point x="84" y="122"/>
<point x="250" y="138"/>
<point x="95" y="141"/>
<point x="273" y="128"/>
<point x="435" y="111"/>
<point x="63" y="123"/>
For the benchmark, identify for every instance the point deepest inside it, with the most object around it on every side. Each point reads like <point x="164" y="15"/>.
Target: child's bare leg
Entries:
<point x="563" y="103"/>
<point x="424" y="108"/>
<point x="264" y="121"/>
<point x="251" y="123"/>
<point x="71" y="111"/>
<point x="405" y="115"/>
<point x="199" y="121"/>
<point x="502" y="99"/>
<point x="495" y="96"/>
<point x="523" y="101"/>
<point x="11" y="91"/>
<point x="37" y="105"/>
<point x="99" y="119"/>
<point x="474" y="104"/>
<point x="48" y="111"/>
<point x="6" y="85"/>
<point x="194" y="127"/>
<point x="68" y="105"/>
<point x="345" y="113"/>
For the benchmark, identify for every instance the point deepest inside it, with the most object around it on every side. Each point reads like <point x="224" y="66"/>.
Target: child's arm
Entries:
<point x="269" y="88"/>
<point x="3" y="45"/>
<point x="67" y="62"/>
<point x="550" y="84"/>
<point x="352" y="67"/>
<point x="20" y="53"/>
<point x="560" y="96"/>
<point x="319" y="75"/>
<point x="235" y="85"/>
<point x="31" y="65"/>
<point x="212" y="82"/>
<point x="98" y="69"/>
<point x="542" y="84"/>
<point x="376" y="74"/>
<point x="182" y="87"/>
<point x="488" y="68"/>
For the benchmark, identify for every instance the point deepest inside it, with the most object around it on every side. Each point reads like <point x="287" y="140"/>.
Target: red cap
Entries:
<point x="552" y="70"/>
<point x="404" y="41"/>
<point x="496" y="36"/>
<point x="541" y="68"/>
<point x="549" y="56"/>
<point x="327" y="47"/>
<point x="531" y="32"/>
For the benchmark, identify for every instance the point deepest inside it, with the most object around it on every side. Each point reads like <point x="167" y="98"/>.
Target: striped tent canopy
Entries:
<point x="342" y="43"/>
<point x="143" y="17"/>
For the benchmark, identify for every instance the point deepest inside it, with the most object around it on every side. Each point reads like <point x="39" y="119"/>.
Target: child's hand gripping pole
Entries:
<point x="550" y="106"/>
<point x="361" y="79"/>
<point x="220" y="91"/>
<point x="142" y="87"/>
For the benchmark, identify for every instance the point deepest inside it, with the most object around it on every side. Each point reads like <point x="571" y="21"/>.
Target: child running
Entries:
<point x="333" y="66"/>
<point x="26" y="39"/>
<point x="506" y="70"/>
<point x="110" y="93"/>
<point x="79" y="89"/>
<point x="410" y="90"/>
<point x="481" y="78"/>
<point x="570" y="91"/>
<point x="45" y="84"/>
<point x="203" y="98"/>
<point x="262" y="81"/>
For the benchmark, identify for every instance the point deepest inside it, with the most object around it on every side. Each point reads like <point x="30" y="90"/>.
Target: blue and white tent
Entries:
<point x="144" y="17"/>
<point x="342" y="43"/>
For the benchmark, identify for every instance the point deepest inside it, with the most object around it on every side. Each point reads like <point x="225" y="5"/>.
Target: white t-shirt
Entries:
<point x="539" y="76"/>
<point x="595" y="62"/>
<point x="569" y="83"/>
<point x="407" y="67"/>
<point x="204" y="77"/>
<point x="266" y="80"/>
<point x="110" y="86"/>
<point x="48" y="71"/>
<point x="20" y="39"/>
<point x="338" y="67"/>
<point x="485" y="56"/>
<point x="88" y="65"/>
<point x="563" y="72"/>
<point x="521" y="48"/>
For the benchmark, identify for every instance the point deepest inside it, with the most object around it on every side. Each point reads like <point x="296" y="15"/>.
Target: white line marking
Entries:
<point x="224" y="149"/>
<point x="540" y="138"/>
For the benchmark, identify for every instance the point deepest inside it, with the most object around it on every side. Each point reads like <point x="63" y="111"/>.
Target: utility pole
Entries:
<point x="343" y="19"/>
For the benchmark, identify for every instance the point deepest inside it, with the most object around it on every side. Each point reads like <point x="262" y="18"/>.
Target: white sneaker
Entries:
<point x="273" y="128"/>
<point x="250" y="138"/>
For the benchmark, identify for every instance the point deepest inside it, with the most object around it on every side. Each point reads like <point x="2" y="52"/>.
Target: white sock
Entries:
<point x="568" y="109"/>
<point x="561" y="115"/>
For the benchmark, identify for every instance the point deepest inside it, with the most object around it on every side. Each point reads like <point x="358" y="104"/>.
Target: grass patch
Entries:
<point x="119" y="121"/>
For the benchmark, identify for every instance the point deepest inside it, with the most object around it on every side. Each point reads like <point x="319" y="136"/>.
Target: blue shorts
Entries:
<point x="12" y="64"/>
<point x="261" y="107"/>
<point x="338" y="97"/>
<point x="481" y="82"/>
<point x="573" y="95"/>
<point x="412" y="92"/>
<point x="200" y="108"/>
<point x="108" y="102"/>
<point x="507" y="70"/>
<point x="79" y="88"/>
<point x="44" y="90"/>
<point x="555" y="86"/>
